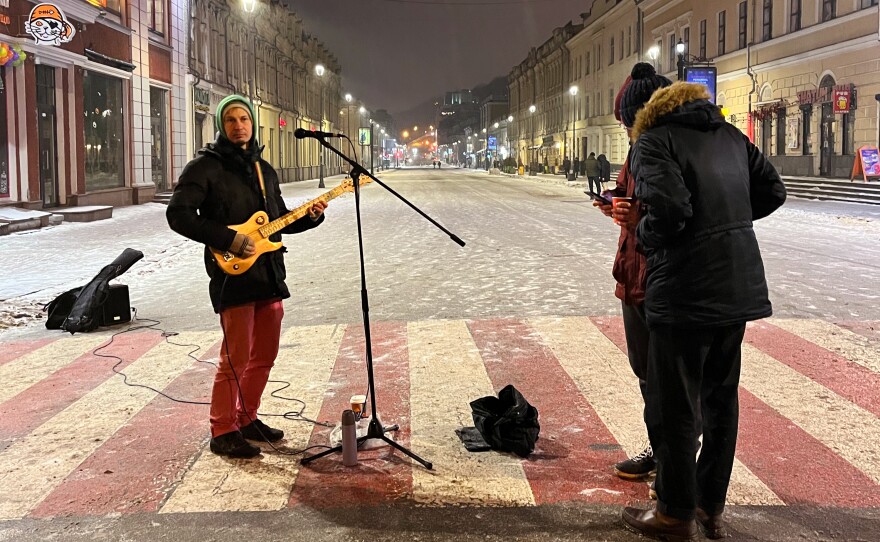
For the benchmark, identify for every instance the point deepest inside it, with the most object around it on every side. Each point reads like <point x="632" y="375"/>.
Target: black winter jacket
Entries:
<point x="702" y="183"/>
<point x="219" y="188"/>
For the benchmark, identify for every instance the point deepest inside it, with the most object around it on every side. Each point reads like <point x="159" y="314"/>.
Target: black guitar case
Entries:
<point x="79" y="309"/>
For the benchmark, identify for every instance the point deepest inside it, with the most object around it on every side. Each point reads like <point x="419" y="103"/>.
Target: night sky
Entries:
<point x="396" y="54"/>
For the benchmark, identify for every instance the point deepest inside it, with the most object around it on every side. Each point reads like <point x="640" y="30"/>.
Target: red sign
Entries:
<point x="842" y="100"/>
<point x="282" y="123"/>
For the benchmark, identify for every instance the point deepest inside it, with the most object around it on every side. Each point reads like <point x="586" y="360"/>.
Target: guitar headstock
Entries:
<point x="347" y="184"/>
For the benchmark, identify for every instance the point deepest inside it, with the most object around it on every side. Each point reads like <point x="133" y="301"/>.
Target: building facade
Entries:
<point x="94" y="113"/>
<point x="267" y="55"/>
<point x="800" y="77"/>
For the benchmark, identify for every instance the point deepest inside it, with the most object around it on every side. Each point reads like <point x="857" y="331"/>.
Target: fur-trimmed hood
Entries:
<point x="681" y="103"/>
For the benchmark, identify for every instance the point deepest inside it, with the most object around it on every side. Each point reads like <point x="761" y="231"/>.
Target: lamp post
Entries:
<point x="573" y="91"/>
<point x="319" y="71"/>
<point x="532" y="110"/>
<point x="509" y="123"/>
<point x="249" y="6"/>
<point x="679" y="48"/>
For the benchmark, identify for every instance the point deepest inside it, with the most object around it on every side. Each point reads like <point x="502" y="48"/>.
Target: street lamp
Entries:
<point x="319" y="71"/>
<point x="573" y="90"/>
<point x="653" y="53"/>
<point x="532" y="110"/>
<point x="679" y="48"/>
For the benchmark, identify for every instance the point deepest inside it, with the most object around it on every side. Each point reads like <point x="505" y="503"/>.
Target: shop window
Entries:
<point x="807" y="120"/>
<point x="767" y="21"/>
<point x="156" y="16"/>
<point x="780" y="131"/>
<point x="114" y="6"/>
<point x="848" y="133"/>
<point x="722" y="31"/>
<point x="743" y="19"/>
<point x="104" y="129"/>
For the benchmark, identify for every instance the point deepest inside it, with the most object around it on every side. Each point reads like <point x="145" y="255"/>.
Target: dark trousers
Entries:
<point x="595" y="181"/>
<point x="691" y="370"/>
<point x="636" y="328"/>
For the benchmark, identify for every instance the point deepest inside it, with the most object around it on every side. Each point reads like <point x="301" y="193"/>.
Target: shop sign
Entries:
<point x="825" y="95"/>
<point x="364" y="136"/>
<point x="867" y="163"/>
<point x="201" y="99"/>
<point x="842" y="100"/>
<point x="48" y="25"/>
<point x="492" y="143"/>
<point x="547" y="141"/>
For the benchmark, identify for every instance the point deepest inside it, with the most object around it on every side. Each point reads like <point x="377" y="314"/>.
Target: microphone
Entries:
<point x="301" y="133"/>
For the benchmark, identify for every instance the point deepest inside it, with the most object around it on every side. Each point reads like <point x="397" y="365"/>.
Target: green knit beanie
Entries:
<point x="233" y="99"/>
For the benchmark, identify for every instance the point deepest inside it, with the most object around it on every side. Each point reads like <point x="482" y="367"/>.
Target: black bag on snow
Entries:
<point x="84" y="313"/>
<point x="58" y="309"/>
<point x="508" y="422"/>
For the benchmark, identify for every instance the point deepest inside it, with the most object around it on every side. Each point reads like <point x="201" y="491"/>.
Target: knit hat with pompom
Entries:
<point x="645" y="80"/>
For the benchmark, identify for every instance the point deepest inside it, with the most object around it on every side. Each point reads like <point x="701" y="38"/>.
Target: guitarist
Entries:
<point x="224" y="185"/>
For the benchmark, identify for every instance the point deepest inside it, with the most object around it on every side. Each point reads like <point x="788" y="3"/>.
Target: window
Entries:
<point x="629" y="39"/>
<point x="767" y="21"/>
<point x="780" y="131"/>
<point x="829" y="9"/>
<point x="611" y="52"/>
<point x="722" y="31"/>
<point x="621" y="45"/>
<point x="806" y="115"/>
<point x="868" y="3"/>
<point x="703" y="38"/>
<point x="848" y="123"/>
<point x="743" y="18"/>
<point x="672" y="52"/>
<point x="794" y="17"/>
<point x="104" y="131"/>
<point x="598" y="57"/>
<point x="686" y="38"/>
<point x="612" y="93"/>
<point x="588" y="63"/>
<point x="114" y="6"/>
<point x="156" y="16"/>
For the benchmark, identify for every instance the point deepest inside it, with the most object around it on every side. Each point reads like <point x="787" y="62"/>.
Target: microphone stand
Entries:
<point x="375" y="429"/>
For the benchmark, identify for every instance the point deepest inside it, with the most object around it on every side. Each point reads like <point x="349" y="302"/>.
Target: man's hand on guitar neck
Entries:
<point x="316" y="210"/>
<point x="243" y="246"/>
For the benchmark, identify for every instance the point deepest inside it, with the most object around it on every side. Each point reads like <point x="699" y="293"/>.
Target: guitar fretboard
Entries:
<point x="282" y="222"/>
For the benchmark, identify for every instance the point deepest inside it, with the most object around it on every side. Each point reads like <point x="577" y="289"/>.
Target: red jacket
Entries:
<point x="629" y="265"/>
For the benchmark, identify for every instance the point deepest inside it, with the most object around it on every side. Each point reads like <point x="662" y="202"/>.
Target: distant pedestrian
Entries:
<point x="566" y="165"/>
<point x="604" y="170"/>
<point x="591" y="170"/>
<point x="701" y="184"/>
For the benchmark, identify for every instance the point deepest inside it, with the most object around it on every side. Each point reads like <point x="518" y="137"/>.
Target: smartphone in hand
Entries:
<point x="601" y="199"/>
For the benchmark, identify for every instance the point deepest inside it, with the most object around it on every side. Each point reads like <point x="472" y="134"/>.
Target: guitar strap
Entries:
<point x="262" y="183"/>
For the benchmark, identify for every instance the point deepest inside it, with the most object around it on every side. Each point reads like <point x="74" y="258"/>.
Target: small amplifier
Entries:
<point x="117" y="308"/>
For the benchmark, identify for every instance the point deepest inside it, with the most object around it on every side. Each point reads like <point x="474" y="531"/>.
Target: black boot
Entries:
<point x="257" y="430"/>
<point x="233" y="445"/>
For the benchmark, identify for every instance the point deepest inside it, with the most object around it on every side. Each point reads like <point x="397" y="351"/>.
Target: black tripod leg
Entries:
<point x="311" y="458"/>
<point x="427" y="464"/>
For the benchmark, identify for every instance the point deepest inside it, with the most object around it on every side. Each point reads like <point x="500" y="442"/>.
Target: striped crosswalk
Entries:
<point x="76" y="440"/>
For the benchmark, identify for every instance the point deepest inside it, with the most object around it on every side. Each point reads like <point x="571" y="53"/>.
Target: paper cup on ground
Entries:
<point x="357" y="405"/>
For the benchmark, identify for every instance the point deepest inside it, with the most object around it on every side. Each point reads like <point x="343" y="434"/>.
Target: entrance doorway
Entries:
<point x="47" y="135"/>
<point x="826" y="134"/>
<point x="158" y="138"/>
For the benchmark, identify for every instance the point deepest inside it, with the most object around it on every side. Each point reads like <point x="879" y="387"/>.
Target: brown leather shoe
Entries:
<point x="653" y="524"/>
<point x="713" y="527"/>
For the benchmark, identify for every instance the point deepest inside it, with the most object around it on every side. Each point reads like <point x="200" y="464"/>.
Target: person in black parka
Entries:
<point x="225" y="185"/>
<point x="701" y="183"/>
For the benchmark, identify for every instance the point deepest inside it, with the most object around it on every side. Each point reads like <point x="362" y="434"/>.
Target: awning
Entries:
<point x="109" y="61"/>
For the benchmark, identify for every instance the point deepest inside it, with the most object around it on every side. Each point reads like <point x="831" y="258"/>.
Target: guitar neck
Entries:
<point x="282" y="222"/>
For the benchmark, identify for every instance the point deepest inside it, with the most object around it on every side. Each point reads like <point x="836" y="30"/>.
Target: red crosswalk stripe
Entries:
<point x="15" y="349"/>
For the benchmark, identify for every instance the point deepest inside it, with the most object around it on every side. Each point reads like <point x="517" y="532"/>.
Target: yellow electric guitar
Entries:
<point x="259" y="228"/>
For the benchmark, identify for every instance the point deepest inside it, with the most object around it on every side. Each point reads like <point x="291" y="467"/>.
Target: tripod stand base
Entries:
<point x="376" y="431"/>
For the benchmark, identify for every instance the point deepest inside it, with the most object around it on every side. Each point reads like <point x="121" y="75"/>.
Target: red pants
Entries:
<point x="252" y="332"/>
